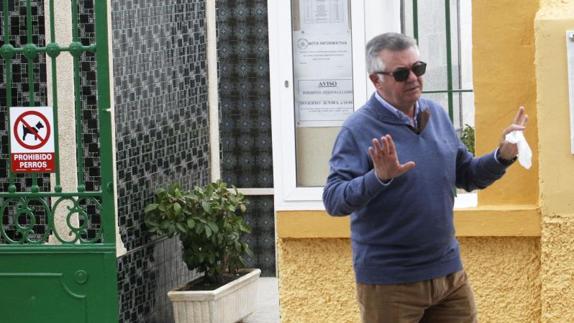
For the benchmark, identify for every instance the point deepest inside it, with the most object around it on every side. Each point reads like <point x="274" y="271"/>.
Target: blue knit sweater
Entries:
<point x="403" y="232"/>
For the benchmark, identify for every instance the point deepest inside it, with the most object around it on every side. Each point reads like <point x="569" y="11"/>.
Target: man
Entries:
<point x="394" y="169"/>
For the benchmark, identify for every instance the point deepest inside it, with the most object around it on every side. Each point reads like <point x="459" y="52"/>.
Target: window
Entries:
<point x="444" y="33"/>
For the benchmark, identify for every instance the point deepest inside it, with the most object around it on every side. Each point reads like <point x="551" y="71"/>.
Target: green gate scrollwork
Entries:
<point x="21" y="214"/>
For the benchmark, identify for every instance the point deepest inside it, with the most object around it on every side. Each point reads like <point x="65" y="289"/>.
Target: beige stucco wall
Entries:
<point x="65" y="115"/>
<point x="556" y="161"/>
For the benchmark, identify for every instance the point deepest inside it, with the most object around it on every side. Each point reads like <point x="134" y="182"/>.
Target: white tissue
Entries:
<point x="524" y="152"/>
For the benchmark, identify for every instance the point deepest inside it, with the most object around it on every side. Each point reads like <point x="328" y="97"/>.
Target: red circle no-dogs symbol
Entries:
<point x="32" y="130"/>
<point x="32" y="140"/>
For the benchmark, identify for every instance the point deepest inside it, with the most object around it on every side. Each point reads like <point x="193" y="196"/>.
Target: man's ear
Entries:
<point x="375" y="79"/>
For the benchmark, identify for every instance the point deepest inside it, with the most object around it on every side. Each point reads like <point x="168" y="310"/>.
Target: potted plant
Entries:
<point x="208" y="221"/>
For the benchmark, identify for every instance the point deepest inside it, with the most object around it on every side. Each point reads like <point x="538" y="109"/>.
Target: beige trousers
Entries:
<point x="440" y="300"/>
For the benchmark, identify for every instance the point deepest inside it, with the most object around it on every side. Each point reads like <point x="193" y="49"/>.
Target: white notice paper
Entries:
<point x="322" y="63"/>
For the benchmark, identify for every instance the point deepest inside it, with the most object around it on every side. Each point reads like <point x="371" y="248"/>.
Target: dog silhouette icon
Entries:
<point x="27" y="131"/>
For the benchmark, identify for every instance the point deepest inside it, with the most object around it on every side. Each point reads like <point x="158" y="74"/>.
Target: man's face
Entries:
<point x="401" y="95"/>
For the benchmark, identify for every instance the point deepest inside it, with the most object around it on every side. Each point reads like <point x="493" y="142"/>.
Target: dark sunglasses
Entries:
<point x="401" y="74"/>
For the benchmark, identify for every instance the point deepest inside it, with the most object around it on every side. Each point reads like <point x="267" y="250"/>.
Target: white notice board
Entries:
<point x="322" y="63"/>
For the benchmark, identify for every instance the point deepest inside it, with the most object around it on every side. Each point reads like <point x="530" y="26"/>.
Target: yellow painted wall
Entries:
<point x="518" y="221"/>
<point x="556" y="161"/>
<point x="504" y="79"/>
<point x="504" y="273"/>
<point x="317" y="282"/>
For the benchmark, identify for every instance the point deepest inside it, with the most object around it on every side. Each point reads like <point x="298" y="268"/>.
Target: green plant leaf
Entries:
<point x="164" y="225"/>
<point x="181" y="228"/>
<point x="177" y="208"/>
<point x="150" y="208"/>
<point x="206" y="206"/>
<point x="208" y="220"/>
<point x="160" y="194"/>
<point x="190" y="223"/>
<point x="467" y="137"/>
<point x="213" y="227"/>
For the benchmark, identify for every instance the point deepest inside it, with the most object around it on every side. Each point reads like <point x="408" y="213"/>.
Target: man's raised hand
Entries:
<point x="386" y="163"/>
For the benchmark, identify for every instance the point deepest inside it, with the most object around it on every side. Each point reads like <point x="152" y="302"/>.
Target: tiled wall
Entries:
<point x="261" y="240"/>
<point x="145" y="275"/>
<point x="245" y="110"/>
<point x="88" y="92"/>
<point x="162" y="136"/>
<point x="243" y="68"/>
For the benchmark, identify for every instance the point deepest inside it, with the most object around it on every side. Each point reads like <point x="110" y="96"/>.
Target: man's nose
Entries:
<point x="412" y="76"/>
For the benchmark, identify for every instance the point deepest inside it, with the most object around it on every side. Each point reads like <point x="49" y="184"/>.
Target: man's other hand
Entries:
<point x="507" y="150"/>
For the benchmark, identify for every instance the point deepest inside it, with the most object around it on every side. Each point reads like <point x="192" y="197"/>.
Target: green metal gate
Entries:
<point x="65" y="272"/>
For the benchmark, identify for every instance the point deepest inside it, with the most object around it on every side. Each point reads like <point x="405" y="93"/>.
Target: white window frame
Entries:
<point x="368" y="18"/>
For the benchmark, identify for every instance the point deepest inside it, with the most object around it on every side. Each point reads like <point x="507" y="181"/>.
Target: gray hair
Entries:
<point x="390" y="41"/>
